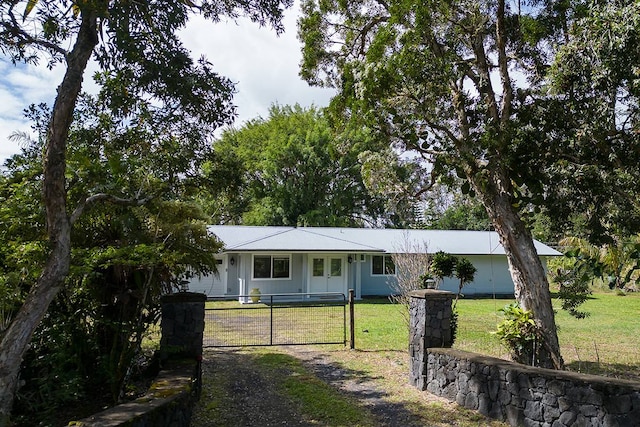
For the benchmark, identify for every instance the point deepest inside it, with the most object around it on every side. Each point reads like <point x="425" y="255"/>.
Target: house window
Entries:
<point x="336" y="267"/>
<point x="382" y="265"/>
<point x="318" y="267"/>
<point x="271" y="267"/>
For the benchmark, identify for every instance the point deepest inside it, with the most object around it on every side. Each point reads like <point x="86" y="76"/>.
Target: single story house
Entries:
<point x="302" y="260"/>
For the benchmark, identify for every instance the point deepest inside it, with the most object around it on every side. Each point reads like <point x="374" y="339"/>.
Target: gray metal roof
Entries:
<point x="329" y="239"/>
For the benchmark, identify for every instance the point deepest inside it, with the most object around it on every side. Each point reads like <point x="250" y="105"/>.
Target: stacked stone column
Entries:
<point x="182" y="325"/>
<point x="430" y="326"/>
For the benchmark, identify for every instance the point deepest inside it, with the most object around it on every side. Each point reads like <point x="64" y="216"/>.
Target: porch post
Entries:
<point x="358" y="268"/>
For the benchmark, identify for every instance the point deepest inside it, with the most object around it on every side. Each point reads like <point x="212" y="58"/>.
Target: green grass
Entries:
<point x="380" y="325"/>
<point x="313" y="401"/>
<point x="606" y="342"/>
<point x="318" y="401"/>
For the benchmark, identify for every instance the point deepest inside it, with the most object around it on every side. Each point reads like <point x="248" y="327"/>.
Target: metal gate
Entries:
<point x="277" y="319"/>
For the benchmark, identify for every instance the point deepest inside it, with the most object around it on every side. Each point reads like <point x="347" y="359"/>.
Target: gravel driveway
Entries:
<point x="236" y="394"/>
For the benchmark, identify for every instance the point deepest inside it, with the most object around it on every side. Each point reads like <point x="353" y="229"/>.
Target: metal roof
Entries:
<point x="239" y="238"/>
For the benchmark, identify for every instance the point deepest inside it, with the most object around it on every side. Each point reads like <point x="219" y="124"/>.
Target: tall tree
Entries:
<point x="449" y="209"/>
<point x="138" y="50"/>
<point x="596" y="74"/>
<point x="123" y="258"/>
<point x="455" y="83"/>
<point x="295" y="172"/>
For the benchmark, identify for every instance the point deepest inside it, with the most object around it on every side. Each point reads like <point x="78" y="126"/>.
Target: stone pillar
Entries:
<point x="429" y="326"/>
<point x="182" y="325"/>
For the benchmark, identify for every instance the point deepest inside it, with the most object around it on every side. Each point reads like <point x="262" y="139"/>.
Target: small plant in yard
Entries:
<point x="443" y="265"/>
<point x="416" y="270"/>
<point x="447" y="265"/>
<point x="519" y="333"/>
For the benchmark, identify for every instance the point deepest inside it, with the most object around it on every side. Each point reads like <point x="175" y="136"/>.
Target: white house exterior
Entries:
<point x="280" y="260"/>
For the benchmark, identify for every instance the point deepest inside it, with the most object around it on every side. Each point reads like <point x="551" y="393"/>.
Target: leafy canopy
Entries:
<point x="290" y="169"/>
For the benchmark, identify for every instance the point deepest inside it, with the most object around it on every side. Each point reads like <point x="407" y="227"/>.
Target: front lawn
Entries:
<point x="606" y="342"/>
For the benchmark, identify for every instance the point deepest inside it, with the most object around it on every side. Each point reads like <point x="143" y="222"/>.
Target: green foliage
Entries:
<point x="573" y="275"/>
<point x="443" y="264"/>
<point x="125" y="254"/>
<point x="465" y="271"/>
<point x="573" y="289"/>
<point x="515" y="101"/>
<point x="519" y="333"/>
<point x="615" y="263"/>
<point x="289" y="169"/>
<point x="394" y="180"/>
<point x="455" y="211"/>
<point x="447" y="265"/>
<point x="139" y="140"/>
<point x="597" y="74"/>
<point x="63" y="365"/>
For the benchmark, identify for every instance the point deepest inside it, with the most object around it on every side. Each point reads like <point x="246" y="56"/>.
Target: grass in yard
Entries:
<point x="275" y="382"/>
<point x="380" y="325"/>
<point x="229" y="323"/>
<point x="606" y="342"/>
<point x="390" y="370"/>
<point x="317" y="400"/>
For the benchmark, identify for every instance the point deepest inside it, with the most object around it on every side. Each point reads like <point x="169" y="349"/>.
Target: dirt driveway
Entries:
<point x="237" y="391"/>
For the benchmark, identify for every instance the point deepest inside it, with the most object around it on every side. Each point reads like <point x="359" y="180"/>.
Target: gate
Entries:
<point x="277" y="319"/>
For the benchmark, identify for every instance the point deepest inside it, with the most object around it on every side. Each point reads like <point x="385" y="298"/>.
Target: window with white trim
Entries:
<point x="382" y="265"/>
<point x="272" y="266"/>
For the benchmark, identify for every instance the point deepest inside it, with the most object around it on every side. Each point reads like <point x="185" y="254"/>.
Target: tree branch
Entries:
<point x="507" y="89"/>
<point x="365" y="30"/>
<point x="14" y="30"/>
<point x="134" y="201"/>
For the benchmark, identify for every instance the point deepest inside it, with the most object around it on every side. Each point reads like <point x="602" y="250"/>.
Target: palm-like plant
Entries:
<point x="614" y="263"/>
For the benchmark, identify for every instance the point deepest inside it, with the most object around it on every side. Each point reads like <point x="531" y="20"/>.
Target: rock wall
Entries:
<point x="521" y="395"/>
<point x="169" y="400"/>
<point x="529" y="396"/>
<point x="167" y="403"/>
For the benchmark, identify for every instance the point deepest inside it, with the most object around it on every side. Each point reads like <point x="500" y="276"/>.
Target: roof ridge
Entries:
<point x="286" y="230"/>
<point x="307" y="230"/>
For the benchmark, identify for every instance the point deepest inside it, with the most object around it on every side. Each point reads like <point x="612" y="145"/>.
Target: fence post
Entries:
<point x="352" y="323"/>
<point x="429" y="326"/>
<point x="271" y="320"/>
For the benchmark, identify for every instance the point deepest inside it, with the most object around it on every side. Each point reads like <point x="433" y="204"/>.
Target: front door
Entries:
<point x="327" y="273"/>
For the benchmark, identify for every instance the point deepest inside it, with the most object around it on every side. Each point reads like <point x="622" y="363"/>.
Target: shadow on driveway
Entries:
<point x="237" y="391"/>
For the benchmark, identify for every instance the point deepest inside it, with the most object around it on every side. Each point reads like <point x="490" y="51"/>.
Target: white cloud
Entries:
<point x="263" y="65"/>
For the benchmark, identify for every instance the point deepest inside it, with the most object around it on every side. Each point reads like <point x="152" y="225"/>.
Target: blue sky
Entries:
<point x="264" y="67"/>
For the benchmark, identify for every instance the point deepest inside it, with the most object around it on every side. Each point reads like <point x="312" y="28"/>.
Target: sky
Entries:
<point x="263" y="65"/>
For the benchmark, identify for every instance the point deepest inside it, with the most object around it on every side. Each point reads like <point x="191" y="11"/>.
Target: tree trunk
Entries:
<point x="531" y="286"/>
<point x="16" y="338"/>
